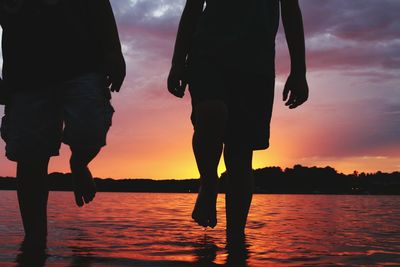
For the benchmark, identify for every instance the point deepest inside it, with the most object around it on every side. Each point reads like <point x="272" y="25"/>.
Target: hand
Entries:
<point x="115" y="71"/>
<point x="297" y="86"/>
<point x="177" y="80"/>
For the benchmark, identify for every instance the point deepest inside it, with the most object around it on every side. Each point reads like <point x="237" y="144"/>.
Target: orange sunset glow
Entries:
<point x="351" y="122"/>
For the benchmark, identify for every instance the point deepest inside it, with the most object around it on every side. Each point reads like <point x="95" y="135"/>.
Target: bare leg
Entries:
<point x="32" y="190"/>
<point x="240" y="184"/>
<point x="207" y="147"/>
<point x="85" y="189"/>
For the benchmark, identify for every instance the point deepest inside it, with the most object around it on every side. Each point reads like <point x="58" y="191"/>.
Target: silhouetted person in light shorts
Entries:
<point x="61" y="60"/>
<point x="225" y="51"/>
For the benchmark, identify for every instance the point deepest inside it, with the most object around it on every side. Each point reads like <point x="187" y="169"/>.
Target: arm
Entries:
<point x="2" y="87"/>
<point x="187" y="25"/>
<point x="296" y="84"/>
<point x="4" y="93"/>
<point x="2" y="96"/>
<point x="106" y="32"/>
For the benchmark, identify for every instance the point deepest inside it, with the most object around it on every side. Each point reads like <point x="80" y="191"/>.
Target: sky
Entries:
<point x="351" y="121"/>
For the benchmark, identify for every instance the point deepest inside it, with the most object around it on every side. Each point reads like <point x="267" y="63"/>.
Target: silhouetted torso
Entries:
<point x="240" y="33"/>
<point x="46" y="43"/>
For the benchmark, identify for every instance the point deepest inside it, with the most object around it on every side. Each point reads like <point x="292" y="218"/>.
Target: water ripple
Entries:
<point x="142" y="229"/>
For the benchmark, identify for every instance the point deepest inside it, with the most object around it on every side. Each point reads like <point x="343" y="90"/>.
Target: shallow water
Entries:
<point x="152" y="229"/>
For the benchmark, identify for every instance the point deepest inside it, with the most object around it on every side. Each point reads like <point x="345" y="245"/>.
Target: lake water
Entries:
<point x="151" y="229"/>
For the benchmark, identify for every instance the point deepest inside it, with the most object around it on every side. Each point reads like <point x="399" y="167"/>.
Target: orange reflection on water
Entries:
<point x="153" y="229"/>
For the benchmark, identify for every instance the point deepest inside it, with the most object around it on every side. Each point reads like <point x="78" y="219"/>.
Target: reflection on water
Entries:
<point x="205" y="252"/>
<point x="29" y="258"/>
<point x="238" y="255"/>
<point x="132" y="229"/>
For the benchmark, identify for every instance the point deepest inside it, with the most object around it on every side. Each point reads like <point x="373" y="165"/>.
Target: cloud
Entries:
<point x="358" y="39"/>
<point x="340" y="34"/>
<point x="350" y="35"/>
<point x="361" y="20"/>
<point x="353" y="52"/>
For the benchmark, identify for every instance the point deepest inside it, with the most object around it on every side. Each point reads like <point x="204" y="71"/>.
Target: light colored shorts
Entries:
<point x="77" y="112"/>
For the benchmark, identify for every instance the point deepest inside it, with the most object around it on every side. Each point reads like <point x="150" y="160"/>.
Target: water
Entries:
<point x="151" y="229"/>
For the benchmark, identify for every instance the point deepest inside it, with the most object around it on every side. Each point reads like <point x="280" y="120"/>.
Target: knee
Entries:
<point x="32" y="167"/>
<point x="238" y="161"/>
<point x="32" y="174"/>
<point x="211" y="117"/>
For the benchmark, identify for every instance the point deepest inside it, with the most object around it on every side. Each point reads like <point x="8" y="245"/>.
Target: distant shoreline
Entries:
<point x="270" y="180"/>
<point x="171" y="192"/>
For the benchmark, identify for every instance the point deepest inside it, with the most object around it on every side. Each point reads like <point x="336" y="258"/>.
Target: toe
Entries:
<point x="78" y="199"/>
<point x="87" y="198"/>
<point x="212" y="222"/>
<point x="199" y="219"/>
<point x="203" y="222"/>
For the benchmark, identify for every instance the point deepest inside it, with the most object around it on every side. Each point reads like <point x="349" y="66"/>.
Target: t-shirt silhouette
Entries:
<point x="46" y="41"/>
<point x="239" y="34"/>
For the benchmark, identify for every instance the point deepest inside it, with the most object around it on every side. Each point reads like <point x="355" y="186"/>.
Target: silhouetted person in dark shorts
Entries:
<point x="61" y="60"/>
<point x="225" y="51"/>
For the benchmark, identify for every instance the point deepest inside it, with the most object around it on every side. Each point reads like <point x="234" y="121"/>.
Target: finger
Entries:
<point x="172" y="88"/>
<point x="175" y="88"/>
<point x="116" y="85"/>
<point x="178" y="92"/>
<point x="299" y="103"/>
<point x="286" y="91"/>
<point x="291" y="100"/>
<point x="172" y="84"/>
<point x="182" y="88"/>
<point x="295" y="105"/>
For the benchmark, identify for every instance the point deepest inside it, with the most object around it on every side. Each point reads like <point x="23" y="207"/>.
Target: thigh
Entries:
<point x="32" y="125"/>
<point x="207" y="88"/>
<point x="250" y="102"/>
<point x="87" y="111"/>
<point x="211" y="116"/>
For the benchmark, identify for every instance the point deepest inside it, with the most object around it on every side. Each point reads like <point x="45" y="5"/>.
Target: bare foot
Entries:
<point x="205" y="211"/>
<point x="84" y="186"/>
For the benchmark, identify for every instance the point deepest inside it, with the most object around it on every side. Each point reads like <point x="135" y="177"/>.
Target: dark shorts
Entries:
<point x="77" y="112"/>
<point x="248" y="97"/>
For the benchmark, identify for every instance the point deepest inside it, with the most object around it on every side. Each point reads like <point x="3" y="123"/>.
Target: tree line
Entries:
<point x="269" y="180"/>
